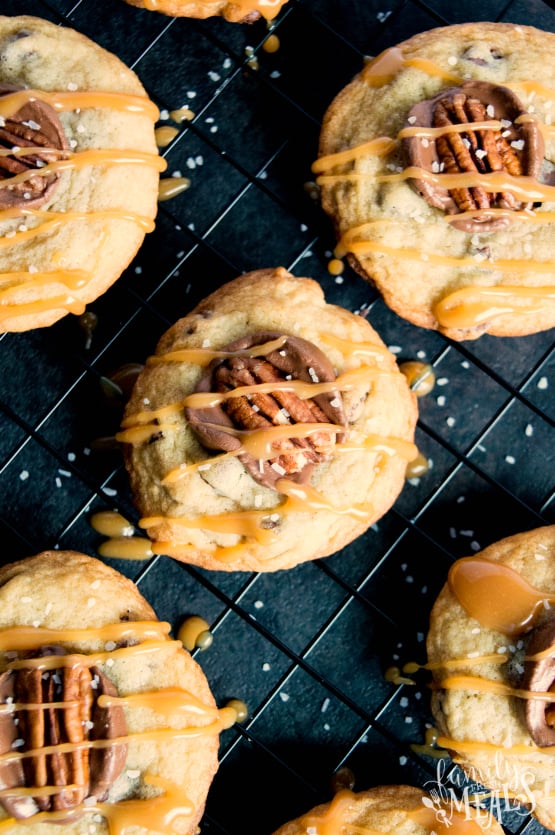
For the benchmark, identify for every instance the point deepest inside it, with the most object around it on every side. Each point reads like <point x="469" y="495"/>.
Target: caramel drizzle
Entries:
<point x="20" y="638"/>
<point x="95" y="156"/>
<point x="363" y="247"/>
<point x="370" y="443"/>
<point x="473" y="305"/>
<point x="157" y="813"/>
<point x="80" y="100"/>
<point x="482" y="685"/>
<point x="470" y="746"/>
<point x="204" y="356"/>
<point x="334" y="819"/>
<point x="267" y="8"/>
<point x="522" y="186"/>
<point x="496" y="595"/>
<point x="249" y="524"/>
<point x="344" y="382"/>
<point x="62" y="101"/>
<point x="518" y="603"/>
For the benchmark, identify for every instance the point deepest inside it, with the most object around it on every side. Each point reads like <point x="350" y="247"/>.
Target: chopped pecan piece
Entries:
<point x="539" y="676"/>
<point x="35" y="126"/>
<point x="297" y="359"/>
<point x="52" y="707"/>
<point x="516" y="149"/>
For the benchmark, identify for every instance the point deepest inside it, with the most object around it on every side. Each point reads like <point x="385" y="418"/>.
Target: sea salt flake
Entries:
<point x="24" y="475"/>
<point x="543" y="383"/>
<point x="284" y="697"/>
<point x="517" y="144"/>
<point x="510" y="459"/>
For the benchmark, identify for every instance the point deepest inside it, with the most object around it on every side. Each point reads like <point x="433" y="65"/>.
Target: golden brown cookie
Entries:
<point x="310" y="453"/>
<point x="234" y="11"/>
<point x="79" y="171"/>
<point x="393" y="810"/>
<point x="132" y="730"/>
<point x="437" y="167"/>
<point x="490" y="646"/>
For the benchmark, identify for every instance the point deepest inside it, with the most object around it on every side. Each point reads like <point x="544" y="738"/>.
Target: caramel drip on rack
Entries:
<point x="30" y="282"/>
<point x="471" y="306"/>
<point x="157" y="813"/>
<point x="337" y="818"/>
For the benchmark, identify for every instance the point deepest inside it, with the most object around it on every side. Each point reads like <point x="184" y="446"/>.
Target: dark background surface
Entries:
<point x="305" y="649"/>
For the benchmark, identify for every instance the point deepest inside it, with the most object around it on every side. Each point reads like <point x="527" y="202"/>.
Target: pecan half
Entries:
<point x="36" y="126"/>
<point x="517" y="149"/>
<point x="539" y="676"/>
<point x="297" y="359"/>
<point x="49" y="708"/>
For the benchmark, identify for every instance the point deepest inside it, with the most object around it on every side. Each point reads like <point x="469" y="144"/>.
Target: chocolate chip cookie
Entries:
<point x="269" y="428"/>
<point x="437" y="166"/>
<point x="234" y="11"/>
<point x="490" y="646"/>
<point x="79" y="171"/>
<point x="105" y="722"/>
<point x="391" y="809"/>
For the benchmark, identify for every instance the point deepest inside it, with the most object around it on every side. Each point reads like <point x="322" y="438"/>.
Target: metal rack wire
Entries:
<point x="305" y="649"/>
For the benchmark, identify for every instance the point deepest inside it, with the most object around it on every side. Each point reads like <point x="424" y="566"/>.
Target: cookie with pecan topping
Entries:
<point x="490" y="646"/>
<point x="269" y="428"/>
<point x="79" y="171"/>
<point x="437" y="166"/>
<point x="104" y="720"/>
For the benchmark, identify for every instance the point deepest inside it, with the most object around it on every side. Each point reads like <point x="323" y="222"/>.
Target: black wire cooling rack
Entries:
<point x="305" y="649"/>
